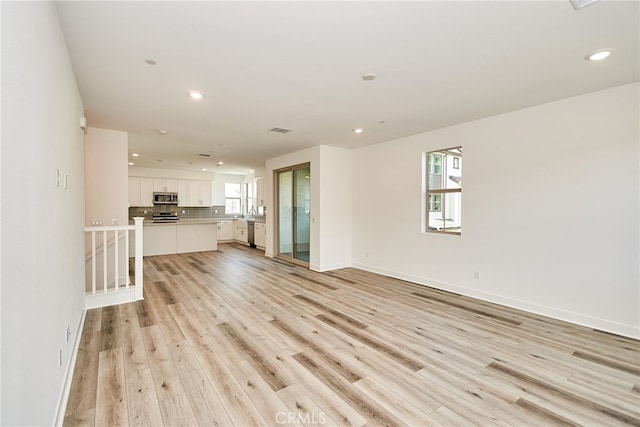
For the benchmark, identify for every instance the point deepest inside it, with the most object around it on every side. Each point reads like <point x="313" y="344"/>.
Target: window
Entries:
<point x="435" y="202"/>
<point x="443" y="190"/>
<point x="233" y="198"/>
<point x="250" y="193"/>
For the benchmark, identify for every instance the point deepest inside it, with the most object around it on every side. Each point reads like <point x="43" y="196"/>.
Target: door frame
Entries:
<point x="276" y="222"/>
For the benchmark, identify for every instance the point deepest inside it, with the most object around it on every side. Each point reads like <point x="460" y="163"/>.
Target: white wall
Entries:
<point x="42" y="265"/>
<point x="335" y="208"/>
<point x="330" y="229"/>
<point x="550" y="210"/>
<point x="106" y="176"/>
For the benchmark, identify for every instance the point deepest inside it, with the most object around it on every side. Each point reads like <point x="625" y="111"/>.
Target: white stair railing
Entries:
<point x="108" y="276"/>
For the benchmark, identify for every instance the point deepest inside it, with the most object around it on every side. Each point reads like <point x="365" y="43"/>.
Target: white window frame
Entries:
<point x="430" y="217"/>
<point x="228" y="198"/>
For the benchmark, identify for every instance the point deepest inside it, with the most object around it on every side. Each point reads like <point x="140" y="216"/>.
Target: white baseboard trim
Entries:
<point x="68" y="378"/>
<point x="329" y="267"/>
<point x="631" y="331"/>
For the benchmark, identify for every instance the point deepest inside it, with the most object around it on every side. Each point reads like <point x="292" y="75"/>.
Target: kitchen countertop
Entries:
<point x="192" y="221"/>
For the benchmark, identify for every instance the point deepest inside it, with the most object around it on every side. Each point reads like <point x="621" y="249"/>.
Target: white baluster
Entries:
<point x="104" y="259"/>
<point x="93" y="262"/>
<point x="126" y="258"/>
<point x="139" y="272"/>
<point x="115" y="257"/>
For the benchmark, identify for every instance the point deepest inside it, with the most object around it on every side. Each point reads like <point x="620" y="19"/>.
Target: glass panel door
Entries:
<point x="301" y="211"/>
<point x="285" y="211"/>
<point x="294" y="209"/>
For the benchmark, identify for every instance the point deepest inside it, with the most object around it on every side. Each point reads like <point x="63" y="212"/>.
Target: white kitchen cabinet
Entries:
<point x="200" y="193"/>
<point x="241" y="232"/>
<point x="260" y="235"/>
<point x="165" y="185"/>
<point x="184" y="195"/>
<point x="226" y="231"/>
<point x="140" y="191"/>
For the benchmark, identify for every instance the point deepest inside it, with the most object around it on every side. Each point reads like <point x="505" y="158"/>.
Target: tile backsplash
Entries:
<point x="183" y="212"/>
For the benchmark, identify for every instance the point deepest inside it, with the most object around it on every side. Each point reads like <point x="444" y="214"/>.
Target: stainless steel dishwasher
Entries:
<point x="251" y="233"/>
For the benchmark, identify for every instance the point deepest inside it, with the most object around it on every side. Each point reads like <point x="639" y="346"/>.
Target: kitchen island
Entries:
<point x="195" y="235"/>
<point x="183" y="236"/>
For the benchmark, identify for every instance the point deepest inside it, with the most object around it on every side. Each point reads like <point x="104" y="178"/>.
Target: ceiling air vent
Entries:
<point x="579" y="4"/>
<point x="279" y="130"/>
<point x="204" y="155"/>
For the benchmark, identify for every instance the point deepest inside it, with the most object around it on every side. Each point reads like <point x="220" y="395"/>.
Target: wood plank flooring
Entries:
<point x="233" y="338"/>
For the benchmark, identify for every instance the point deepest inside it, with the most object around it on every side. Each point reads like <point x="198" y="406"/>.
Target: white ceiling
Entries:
<point x="299" y="66"/>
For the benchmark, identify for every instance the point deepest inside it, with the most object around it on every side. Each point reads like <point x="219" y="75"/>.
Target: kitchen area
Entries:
<point x="193" y="215"/>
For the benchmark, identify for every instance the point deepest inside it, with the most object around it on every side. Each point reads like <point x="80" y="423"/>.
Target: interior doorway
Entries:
<point x="293" y="220"/>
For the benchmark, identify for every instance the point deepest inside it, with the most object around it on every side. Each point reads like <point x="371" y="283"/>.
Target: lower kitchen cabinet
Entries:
<point x="226" y="231"/>
<point x="260" y="235"/>
<point x="241" y="232"/>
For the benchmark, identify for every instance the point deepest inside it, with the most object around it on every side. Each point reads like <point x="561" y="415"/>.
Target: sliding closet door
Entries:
<point x="294" y="203"/>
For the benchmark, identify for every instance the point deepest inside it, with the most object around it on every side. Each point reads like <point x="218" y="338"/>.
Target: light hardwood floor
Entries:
<point x="233" y="338"/>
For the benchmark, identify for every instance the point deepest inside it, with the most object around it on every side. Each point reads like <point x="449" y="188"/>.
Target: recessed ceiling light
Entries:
<point x="130" y="163"/>
<point x="162" y="132"/>
<point x="203" y="169"/>
<point x="220" y="163"/>
<point x="150" y="61"/>
<point x="369" y="76"/>
<point x="357" y="130"/>
<point x="134" y="154"/>
<point x="598" y="56"/>
<point x="223" y="145"/>
<point x="195" y="94"/>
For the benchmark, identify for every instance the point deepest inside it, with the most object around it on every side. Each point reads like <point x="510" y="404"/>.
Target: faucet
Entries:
<point x="252" y="211"/>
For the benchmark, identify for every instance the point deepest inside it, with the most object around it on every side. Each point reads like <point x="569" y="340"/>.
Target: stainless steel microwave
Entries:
<point x="165" y="198"/>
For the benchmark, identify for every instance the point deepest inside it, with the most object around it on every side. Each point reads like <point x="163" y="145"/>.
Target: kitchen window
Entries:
<point x="443" y="191"/>
<point x="232" y="198"/>
<point x="250" y="200"/>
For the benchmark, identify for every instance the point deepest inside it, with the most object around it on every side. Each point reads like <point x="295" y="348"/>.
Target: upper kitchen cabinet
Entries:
<point x="140" y="191"/>
<point x="184" y="196"/>
<point x="200" y="193"/>
<point x="164" y="185"/>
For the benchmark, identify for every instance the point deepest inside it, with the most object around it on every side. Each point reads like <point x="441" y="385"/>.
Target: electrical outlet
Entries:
<point x="476" y="275"/>
<point x="68" y="333"/>
<point x="60" y="358"/>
